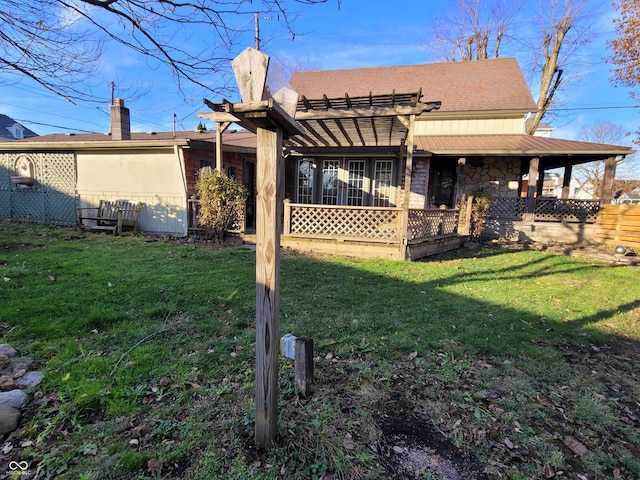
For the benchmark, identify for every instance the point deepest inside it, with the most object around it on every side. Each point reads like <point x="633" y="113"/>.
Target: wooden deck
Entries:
<point x="371" y="232"/>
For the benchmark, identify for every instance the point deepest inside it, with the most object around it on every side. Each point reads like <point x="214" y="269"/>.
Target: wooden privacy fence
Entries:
<point x="619" y="225"/>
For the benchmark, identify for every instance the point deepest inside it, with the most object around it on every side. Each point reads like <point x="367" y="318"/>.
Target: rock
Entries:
<point x="9" y="418"/>
<point x="8" y="350"/>
<point x="14" y="398"/>
<point x="29" y="381"/>
<point x="6" y="382"/>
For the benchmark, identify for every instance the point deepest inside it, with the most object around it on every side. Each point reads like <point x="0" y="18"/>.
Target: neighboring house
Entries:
<point x="11" y="130"/>
<point x="157" y="169"/>
<point x="632" y="197"/>
<point x="388" y="154"/>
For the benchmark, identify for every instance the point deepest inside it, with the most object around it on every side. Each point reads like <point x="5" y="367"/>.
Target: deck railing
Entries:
<point x="545" y="210"/>
<point x="432" y="223"/>
<point x="370" y="223"/>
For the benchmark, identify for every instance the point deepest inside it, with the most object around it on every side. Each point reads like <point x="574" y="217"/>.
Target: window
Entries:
<point x="355" y="183"/>
<point x="330" y="183"/>
<point x="382" y="183"/>
<point x="231" y="171"/>
<point x="305" y="181"/>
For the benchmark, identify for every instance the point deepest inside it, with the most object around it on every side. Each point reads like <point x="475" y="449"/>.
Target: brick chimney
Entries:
<point x="120" y="121"/>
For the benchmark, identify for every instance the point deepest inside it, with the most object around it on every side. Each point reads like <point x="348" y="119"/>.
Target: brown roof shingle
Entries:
<point x="511" y="145"/>
<point x="481" y="85"/>
<point x="232" y="138"/>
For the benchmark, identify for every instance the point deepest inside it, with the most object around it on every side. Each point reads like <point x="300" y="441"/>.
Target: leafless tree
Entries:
<point x="58" y="43"/>
<point x="477" y="29"/>
<point x="483" y="28"/>
<point x="590" y="175"/>
<point x="625" y="56"/>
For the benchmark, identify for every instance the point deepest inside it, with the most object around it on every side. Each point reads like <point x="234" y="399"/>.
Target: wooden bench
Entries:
<point x="110" y="215"/>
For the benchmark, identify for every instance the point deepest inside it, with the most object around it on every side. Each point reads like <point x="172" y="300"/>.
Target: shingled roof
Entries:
<point x="7" y="126"/>
<point x="240" y="140"/>
<point x="482" y="85"/>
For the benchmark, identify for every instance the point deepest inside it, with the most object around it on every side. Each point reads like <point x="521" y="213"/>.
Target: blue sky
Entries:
<point x="361" y="33"/>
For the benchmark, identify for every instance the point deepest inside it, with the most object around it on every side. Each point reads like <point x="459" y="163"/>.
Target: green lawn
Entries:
<point x="148" y="351"/>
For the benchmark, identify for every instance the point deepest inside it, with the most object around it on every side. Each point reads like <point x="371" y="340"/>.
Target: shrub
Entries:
<point x="221" y="202"/>
<point x="479" y="208"/>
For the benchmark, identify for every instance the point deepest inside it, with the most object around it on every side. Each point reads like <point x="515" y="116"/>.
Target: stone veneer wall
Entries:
<point x="499" y="176"/>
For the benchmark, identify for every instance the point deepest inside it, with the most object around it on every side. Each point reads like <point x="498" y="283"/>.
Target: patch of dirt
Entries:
<point x="416" y="450"/>
<point x="14" y="247"/>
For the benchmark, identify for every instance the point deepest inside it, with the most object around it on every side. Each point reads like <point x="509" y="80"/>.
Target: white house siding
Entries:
<point x="153" y="177"/>
<point x="475" y="126"/>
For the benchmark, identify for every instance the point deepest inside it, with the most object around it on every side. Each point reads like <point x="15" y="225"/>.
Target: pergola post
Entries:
<point x="530" y="201"/>
<point x="220" y="128"/>
<point x="459" y="181"/>
<point x="408" y="171"/>
<point x="566" y="180"/>
<point x="607" y="180"/>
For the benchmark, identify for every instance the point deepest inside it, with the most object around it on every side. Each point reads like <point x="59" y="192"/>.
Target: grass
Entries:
<point x="148" y="350"/>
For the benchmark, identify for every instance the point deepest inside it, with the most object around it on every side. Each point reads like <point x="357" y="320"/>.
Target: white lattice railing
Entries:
<point x="545" y="210"/>
<point x="371" y="223"/>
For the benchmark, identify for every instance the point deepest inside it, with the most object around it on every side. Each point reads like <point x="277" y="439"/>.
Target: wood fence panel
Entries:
<point x="619" y="225"/>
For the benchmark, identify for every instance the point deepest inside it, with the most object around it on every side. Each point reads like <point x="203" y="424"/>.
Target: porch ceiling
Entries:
<point x="364" y="121"/>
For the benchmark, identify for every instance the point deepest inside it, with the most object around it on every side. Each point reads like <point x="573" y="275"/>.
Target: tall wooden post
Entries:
<point x="459" y="191"/>
<point x="270" y="181"/>
<point x="271" y="123"/>
<point x="607" y="180"/>
<point x="566" y="180"/>
<point x="408" y="172"/>
<point x="530" y="201"/>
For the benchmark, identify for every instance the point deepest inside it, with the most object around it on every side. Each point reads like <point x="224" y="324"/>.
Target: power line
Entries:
<point x="594" y="108"/>
<point x="50" y="125"/>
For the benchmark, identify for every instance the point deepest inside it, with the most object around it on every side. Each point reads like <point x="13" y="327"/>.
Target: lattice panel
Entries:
<point x="59" y="209"/>
<point x="567" y="210"/>
<point x="27" y="206"/>
<point x="432" y="223"/>
<point x="5" y="204"/>
<point x="58" y="172"/>
<point x="381" y="224"/>
<point x="450" y="222"/>
<point x="5" y="187"/>
<point x="506" y="208"/>
<point x="52" y="197"/>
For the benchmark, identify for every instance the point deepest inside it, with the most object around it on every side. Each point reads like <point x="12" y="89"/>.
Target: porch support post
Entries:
<point x="607" y="180"/>
<point x="566" y="180"/>
<point x="530" y="201"/>
<point x="220" y="128"/>
<point x="270" y="188"/>
<point x="459" y="182"/>
<point x="540" y="182"/>
<point x="408" y="171"/>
